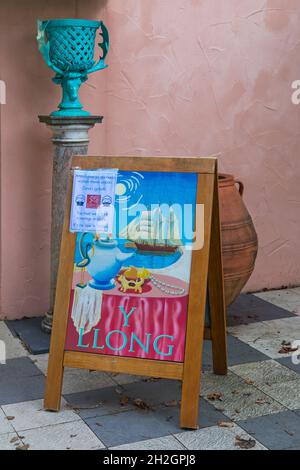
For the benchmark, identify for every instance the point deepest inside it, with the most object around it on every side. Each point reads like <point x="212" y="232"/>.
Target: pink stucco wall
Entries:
<point x="186" y="77"/>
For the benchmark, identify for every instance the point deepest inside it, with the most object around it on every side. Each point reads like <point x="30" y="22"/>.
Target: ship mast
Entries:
<point x="149" y="225"/>
<point x="172" y="224"/>
<point x="156" y="229"/>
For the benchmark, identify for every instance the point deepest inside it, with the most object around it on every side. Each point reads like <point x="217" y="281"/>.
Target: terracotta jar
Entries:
<point x="239" y="237"/>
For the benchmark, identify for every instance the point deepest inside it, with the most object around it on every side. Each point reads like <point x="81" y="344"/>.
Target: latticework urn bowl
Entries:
<point x="72" y="44"/>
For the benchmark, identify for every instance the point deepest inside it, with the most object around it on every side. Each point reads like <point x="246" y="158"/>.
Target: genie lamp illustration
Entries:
<point x="67" y="46"/>
<point x="103" y="260"/>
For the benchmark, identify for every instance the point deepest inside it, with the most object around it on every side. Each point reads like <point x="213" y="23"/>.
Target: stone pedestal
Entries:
<point x="70" y="137"/>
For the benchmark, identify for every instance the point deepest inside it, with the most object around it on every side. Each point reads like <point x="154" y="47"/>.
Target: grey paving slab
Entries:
<point x="268" y="336"/>
<point x="208" y="415"/>
<point x="277" y="431"/>
<point x="30" y="415"/>
<point x="101" y="402"/>
<point x="161" y="443"/>
<point x="17" y="368"/>
<point x="215" y="438"/>
<point x="293" y="448"/>
<point x="128" y="427"/>
<point x="265" y="373"/>
<point x="288" y="299"/>
<point x="13" y="347"/>
<point x="287" y="362"/>
<point x="288" y="394"/>
<point x="118" y="399"/>
<point x="154" y="393"/>
<point x="251" y="309"/>
<point x="238" y="353"/>
<point x="66" y="436"/>
<point x="237" y="399"/>
<point x="5" y="424"/>
<point x="122" y="379"/>
<point x="20" y="389"/>
<point x="20" y="380"/>
<point x="10" y="441"/>
<point x="29" y="331"/>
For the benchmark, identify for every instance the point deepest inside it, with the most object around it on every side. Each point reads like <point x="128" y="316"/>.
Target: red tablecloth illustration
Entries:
<point x="158" y="321"/>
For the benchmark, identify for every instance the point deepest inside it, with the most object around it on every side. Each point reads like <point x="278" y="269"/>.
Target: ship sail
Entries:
<point x="174" y="230"/>
<point x="153" y="231"/>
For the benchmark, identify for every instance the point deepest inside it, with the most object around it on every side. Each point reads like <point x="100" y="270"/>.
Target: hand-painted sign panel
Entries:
<point x="130" y="288"/>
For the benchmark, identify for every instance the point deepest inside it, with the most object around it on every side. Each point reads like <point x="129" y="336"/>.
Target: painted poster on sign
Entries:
<point x="130" y="287"/>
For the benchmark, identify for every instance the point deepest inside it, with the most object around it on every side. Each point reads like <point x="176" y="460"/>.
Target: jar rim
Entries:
<point x="62" y="22"/>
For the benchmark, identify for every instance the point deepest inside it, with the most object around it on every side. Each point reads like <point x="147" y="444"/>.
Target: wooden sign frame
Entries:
<point x="206" y="279"/>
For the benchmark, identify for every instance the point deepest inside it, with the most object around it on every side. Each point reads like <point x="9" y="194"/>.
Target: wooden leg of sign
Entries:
<point x="54" y="383"/>
<point x="216" y="292"/>
<point x="55" y="371"/>
<point x="196" y="313"/>
<point x="55" y="365"/>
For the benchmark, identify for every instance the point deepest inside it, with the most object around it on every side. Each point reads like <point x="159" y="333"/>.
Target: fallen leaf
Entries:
<point x="215" y="397"/>
<point x="249" y="382"/>
<point x="286" y="347"/>
<point x="151" y="379"/>
<point x="287" y="350"/>
<point x="244" y="443"/>
<point x="73" y="435"/>
<point x="225" y="424"/>
<point x="23" y="447"/>
<point x="10" y="418"/>
<point x="124" y="400"/>
<point x="262" y="401"/>
<point x="171" y="403"/>
<point x="14" y="439"/>
<point x="290" y="433"/>
<point x="141" y="404"/>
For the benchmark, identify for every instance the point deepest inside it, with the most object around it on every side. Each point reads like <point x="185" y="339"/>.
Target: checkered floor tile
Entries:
<point x="257" y="403"/>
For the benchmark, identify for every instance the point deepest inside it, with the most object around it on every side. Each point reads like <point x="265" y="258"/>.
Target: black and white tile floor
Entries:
<point x="259" y="399"/>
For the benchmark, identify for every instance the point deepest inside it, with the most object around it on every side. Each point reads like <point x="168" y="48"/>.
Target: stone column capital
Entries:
<point x="70" y="131"/>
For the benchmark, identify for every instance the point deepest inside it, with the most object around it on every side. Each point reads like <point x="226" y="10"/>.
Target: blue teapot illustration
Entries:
<point x="103" y="260"/>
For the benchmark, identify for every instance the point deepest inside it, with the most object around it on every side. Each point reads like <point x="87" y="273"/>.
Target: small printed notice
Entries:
<point x="93" y="201"/>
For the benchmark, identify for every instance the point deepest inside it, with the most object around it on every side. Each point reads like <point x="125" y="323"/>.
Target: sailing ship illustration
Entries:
<point x="153" y="232"/>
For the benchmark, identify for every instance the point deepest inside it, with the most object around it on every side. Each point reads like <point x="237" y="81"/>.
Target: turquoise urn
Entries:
<point x="67" y="46"/>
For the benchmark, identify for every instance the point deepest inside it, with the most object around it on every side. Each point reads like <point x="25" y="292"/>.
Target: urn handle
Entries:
<point x="241" y="187"/>
<point x="104" y="45"/>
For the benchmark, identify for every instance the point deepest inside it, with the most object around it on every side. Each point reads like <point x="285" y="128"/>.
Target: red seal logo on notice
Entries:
<point x="93" y="201"/>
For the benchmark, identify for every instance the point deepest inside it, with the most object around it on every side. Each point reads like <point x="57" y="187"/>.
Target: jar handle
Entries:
<point x="241" y="187"/>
